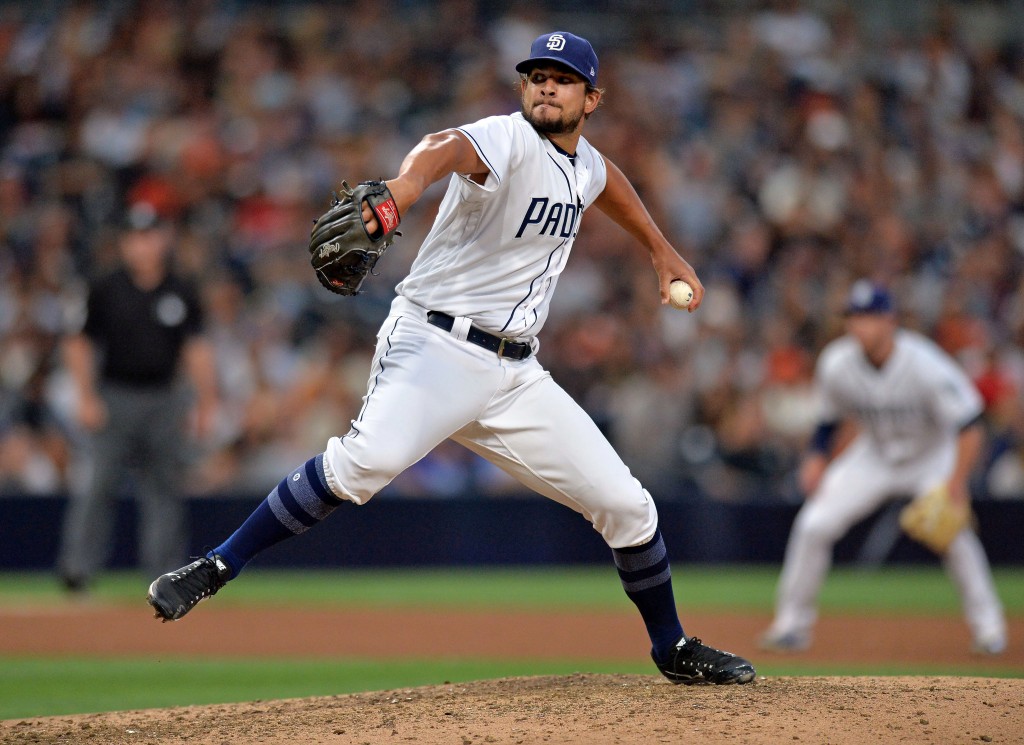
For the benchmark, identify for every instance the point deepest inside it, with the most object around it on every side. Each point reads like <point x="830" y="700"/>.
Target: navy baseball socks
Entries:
<point x="299" y="502"/>
<point x="647" y="579"/>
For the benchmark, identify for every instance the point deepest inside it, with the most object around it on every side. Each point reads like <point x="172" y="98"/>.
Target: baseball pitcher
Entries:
<point x="459" y="347"/>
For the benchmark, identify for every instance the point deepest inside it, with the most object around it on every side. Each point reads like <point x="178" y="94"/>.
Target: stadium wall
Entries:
<point x="519" y="530"/>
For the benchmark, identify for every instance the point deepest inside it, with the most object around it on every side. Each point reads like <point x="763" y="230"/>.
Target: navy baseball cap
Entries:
<point x="867" y="297"/>
<point x="568" y="49"/>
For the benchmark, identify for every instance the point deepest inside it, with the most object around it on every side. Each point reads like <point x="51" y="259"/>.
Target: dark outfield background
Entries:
<point x="522" y="530"/>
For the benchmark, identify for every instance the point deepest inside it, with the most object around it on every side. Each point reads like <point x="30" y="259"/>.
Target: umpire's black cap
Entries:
<point x="866" y="297"/>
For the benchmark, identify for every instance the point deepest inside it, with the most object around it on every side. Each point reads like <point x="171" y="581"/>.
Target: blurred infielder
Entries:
<point x="919" y="434"/>
<point x="456" y="358"/>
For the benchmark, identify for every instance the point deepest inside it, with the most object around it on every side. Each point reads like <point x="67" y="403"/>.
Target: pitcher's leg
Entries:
<point x="540" y="435"/>
<point x="423" y="386"/>
<point x="968" y="567"/>
<point x="647" y="580"/>
<point x="420" y="390"/>
<point x="297" y="503"/>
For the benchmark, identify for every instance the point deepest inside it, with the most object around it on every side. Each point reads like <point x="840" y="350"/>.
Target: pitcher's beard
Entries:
<point x="558" y="126"/>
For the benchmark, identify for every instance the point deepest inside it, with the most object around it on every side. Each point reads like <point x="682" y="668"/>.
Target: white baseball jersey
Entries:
<point x="915" y="403"/>
<point x="496" y="250"/>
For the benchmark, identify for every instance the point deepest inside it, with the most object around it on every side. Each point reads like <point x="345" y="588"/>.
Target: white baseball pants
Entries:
<point x="426" y="385"/>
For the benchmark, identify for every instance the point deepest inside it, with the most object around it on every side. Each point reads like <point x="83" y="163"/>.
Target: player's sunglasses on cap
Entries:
<point x="568" y="49"/>
<point x="868" y="298"/>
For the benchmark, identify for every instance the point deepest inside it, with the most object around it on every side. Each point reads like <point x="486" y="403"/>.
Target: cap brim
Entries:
<point x="528" y="64"/>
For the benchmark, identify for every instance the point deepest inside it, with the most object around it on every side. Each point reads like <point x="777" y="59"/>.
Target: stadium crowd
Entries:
<point x="786" y="149"/>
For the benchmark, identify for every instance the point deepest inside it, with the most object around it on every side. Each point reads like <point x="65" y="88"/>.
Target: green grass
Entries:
<point x="922" y="589"/>
<point x="47" y="686"/>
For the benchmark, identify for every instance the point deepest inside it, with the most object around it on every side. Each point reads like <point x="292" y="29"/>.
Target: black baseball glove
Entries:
<point x="342" y="251"/>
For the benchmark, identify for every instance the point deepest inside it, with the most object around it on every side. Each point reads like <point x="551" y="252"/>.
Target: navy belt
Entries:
<point x="515" y="350"/>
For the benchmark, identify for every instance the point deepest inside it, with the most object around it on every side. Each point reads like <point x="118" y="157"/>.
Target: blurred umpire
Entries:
<point x="142" y="327"/>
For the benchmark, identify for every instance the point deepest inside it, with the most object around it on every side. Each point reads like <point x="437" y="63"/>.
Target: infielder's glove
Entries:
<point x="342" y="250"/>
<point x="934" y="519"/>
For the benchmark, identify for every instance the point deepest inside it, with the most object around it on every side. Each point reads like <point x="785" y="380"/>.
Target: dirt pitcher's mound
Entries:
<point x="592" y="709"/>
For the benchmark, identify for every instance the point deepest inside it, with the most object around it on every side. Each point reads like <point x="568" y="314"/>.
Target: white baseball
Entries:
<point x="680" y="294"/>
